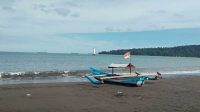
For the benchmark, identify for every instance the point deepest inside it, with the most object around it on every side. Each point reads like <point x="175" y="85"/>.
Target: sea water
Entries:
<point x="18" y="62"/>
<point x="36" y="62"/>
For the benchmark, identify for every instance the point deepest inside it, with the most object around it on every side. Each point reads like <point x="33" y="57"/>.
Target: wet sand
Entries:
<point x="166" y="95"/>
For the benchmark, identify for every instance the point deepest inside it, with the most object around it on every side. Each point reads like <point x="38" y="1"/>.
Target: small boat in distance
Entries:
<point x="94" y="52"/>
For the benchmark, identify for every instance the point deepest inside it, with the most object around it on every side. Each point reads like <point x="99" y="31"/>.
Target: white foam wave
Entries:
<point x="181" y="72"/>
<point x="176" y="73"/>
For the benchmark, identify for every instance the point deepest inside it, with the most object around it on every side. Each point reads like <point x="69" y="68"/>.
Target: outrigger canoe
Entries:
<point x="151" y="76"/>
<point x="131" y="79"/>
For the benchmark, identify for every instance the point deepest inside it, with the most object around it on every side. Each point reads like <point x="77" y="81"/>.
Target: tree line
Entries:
<point x="178" y="51"/>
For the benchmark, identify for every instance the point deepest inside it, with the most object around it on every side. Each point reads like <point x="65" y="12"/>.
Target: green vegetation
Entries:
<point x="182" y="51"/>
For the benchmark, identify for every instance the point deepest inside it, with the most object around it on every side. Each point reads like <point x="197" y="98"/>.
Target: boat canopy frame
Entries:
<point x="129" y="66"/>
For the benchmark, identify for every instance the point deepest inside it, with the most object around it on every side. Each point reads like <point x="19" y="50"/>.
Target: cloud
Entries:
<point x="179" y="15"/>
<point x="39" y="19"/>
<point x="41" y="7"/>
<point x="7" y="5"/>
<point x="158" y="11"/>
<point x="112" y="29"/>
<point x="75" y="15"/>
<point x="8" y="8"/>
<point x="6" y="2"/>
<point x="62" y="11"/>
<point x="104" y="15"/>
<point x="70" y="4"/>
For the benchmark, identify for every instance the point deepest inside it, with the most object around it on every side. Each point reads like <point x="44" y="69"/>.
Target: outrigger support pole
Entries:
<point x="112" y="70"/>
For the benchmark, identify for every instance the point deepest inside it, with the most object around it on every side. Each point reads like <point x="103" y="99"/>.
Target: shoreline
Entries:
<point x="61" y="77"/>
<point x="32" y="74"/>
<point x="166" y="95"/>
<point x="83" y="81"/>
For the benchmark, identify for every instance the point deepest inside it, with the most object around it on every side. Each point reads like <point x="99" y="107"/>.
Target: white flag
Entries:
<point x="127" y="55"/>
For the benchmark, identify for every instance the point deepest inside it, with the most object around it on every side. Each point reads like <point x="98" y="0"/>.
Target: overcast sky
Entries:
<point x="80" y="25"/>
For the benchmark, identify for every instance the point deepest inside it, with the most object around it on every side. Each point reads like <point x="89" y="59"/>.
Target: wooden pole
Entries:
<point x="112" y="70"/>
<point x="130" y="63"/>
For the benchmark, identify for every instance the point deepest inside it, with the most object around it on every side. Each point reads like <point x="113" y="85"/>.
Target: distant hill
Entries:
<point x="182" y="51"/>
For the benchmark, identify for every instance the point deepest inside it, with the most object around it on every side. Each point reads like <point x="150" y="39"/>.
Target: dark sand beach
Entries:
<point x="167" y="95"/>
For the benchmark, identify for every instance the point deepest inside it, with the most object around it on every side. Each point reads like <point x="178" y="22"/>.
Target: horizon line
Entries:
<point x="44" y="52"/>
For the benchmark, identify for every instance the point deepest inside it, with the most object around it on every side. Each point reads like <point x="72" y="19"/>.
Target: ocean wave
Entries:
<point x="181" y="72"/>
<point x="34" y="74"/>
<point x="81" y="73"/>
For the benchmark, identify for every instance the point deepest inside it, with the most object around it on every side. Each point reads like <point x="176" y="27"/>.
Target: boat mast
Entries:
<point x="130" y="65"/>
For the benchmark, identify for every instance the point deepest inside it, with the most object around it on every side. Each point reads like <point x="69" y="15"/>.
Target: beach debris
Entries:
<point x="28" y="95"/>
<point x="95" y="86"/>
<point x="139" y="96"/>
<point x="119" y="94"/>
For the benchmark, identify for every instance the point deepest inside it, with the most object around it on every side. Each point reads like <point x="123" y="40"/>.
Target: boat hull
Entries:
<point x="129" y="81"/>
